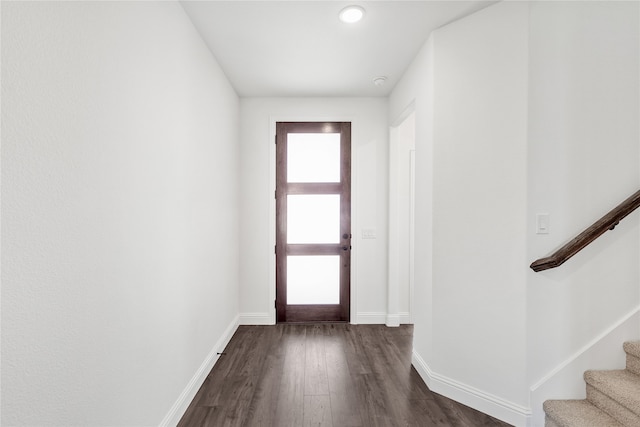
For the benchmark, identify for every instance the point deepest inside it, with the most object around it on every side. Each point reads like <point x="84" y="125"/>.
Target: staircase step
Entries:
<point x="617" y="393"/>
<point x="548" y="422"/>
<point x="576" y="413"/>
<point x="632" y="348"/>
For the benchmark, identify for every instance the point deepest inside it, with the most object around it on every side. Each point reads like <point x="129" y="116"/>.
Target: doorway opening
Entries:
<point x="401" y="221"/>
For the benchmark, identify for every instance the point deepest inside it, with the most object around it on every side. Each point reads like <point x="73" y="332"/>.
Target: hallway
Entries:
<point x="139" y="205"/>
<point x="322" y="375"/>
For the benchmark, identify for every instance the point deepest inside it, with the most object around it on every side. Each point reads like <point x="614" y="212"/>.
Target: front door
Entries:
<point x="313" y="221"/>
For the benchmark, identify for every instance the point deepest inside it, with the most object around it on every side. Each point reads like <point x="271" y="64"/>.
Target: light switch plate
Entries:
<point x="368" y="233"/>
<point x="542" y="223"/>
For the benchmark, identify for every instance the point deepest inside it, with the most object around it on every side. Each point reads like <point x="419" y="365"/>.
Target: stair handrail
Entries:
<point x="607" y="222"/>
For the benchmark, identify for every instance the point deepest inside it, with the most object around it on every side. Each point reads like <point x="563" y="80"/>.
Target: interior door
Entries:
<point x="313" y="221"/>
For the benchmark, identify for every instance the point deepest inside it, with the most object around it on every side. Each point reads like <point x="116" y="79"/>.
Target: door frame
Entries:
<point x="394" y="316"/>
<point x="321" y="312"/>
<point x="273" y="119"/>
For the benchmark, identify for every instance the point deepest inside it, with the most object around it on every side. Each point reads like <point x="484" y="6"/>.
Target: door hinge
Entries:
<point x="275" y="303"/>
<point x="275" y="139"/>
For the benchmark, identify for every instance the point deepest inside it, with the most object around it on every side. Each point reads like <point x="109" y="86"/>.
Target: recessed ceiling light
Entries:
<point x="351" y="14"/>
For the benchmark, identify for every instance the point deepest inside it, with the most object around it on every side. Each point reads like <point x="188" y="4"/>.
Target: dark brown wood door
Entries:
<point x="313" y="221"/>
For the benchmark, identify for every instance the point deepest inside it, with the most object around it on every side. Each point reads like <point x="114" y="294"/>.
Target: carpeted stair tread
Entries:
<point x="548" y="422"/>
<point x="577" y="413"/>
<point x="632" y="348"/>
<point x="613" y="398"/>
<point x="621" y="386"/>
<point x="606" y="404"/>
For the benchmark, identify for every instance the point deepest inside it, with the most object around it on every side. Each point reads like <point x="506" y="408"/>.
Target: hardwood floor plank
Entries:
<point x="289" y="411"/>
<point x="391" y="372"/>
<point x="344" y="410"/>
<point x="460" y="415"/>
<point x="391" y="361"/>
<point x="316" y="382"/>
<point x="238" y="398"/>
<point x="355" y="350"/>
<point x="265" y="398"/>
<point x="247" y="352"/>
<point x="418" y="390"/>
<point x="337" y="375"/>
<point x="344" y="403"/>
<point x="317" y="411"/>
<point x="430" y="413"/>
<point x="231" y="401"/>
<point x="191" y="416"/>
<point x="374" y="408"/>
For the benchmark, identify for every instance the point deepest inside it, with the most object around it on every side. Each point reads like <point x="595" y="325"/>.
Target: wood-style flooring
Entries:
<point x="336" y="375"/>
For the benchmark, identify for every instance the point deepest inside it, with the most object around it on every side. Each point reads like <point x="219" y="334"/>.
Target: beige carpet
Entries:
<point x="613" y="398"/>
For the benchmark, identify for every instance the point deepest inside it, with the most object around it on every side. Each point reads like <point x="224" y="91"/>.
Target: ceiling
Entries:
<point x="300" y="48"/>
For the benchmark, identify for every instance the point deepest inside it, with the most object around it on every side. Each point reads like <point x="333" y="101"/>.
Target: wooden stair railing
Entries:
<point x="607" y="222"/>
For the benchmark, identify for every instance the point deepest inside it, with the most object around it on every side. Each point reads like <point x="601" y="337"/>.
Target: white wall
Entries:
<point x="415" y="92"/>
<point x="529" y="108"/>
<point x="119" y="211"/>
<point x="583" y="160"/>
<point x="369" y="199"/>
<point x="477" y="138"/>
<point x="479" y="199"/>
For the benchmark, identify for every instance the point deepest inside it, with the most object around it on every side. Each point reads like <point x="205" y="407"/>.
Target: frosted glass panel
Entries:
<point x="313" y="279"/>
<point x="313" y="218"/>
<point x="313" y="157"/>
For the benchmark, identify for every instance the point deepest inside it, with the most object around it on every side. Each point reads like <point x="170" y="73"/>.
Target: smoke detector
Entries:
<point x="380" y="81"/>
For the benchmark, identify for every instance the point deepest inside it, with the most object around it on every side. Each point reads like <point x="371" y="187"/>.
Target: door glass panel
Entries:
<point x="313" y="157"/>
<point x="313" y="279"/>
<point x="313" y="218"/>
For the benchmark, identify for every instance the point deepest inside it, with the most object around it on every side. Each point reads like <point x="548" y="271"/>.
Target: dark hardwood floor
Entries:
<point x="336" y="375"/>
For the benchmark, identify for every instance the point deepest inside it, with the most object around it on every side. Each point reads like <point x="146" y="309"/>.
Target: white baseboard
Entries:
<point x="487" y="403"/>
<point x="382" y="318"/>
<point x="364" y="318"/>
<point x="405" y="318"/>
<point x="255" y="319"/>
<point x="421" y="366"/>
<point x="180" y="406"/>
<point x="603" y="352"/>
<point x="392" y="320"/>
